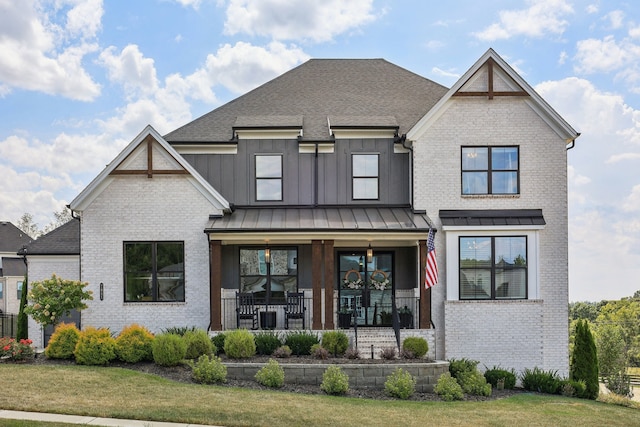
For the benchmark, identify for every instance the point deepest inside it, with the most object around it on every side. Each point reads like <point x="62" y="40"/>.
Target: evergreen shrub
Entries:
<point x="63" y="341"/>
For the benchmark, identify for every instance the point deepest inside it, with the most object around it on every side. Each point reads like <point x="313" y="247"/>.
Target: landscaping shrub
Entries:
<point x="16" y="349"/>
<point x="267" y="342"/>
<point x="541" y="381"/>
<point x="63" y="341"/>
<point x="473" y="382"/>
<point x="168" y="349"/>
<point x="271" y="374"/>
<point x="336" y="342"/>
<point x="319" y="352"/>
<point x="571" y="388"/>
<point x="495" y="374"/>
<point x="300" y="342"/>
<point x="282" y="352"/>
<point x="400" y="384"/>
<point x="334" y="381"/>
<point x="620" y="384"/>
<point x="388" y="353"/>
<point x="179" y="330"/>
<point x="448" y="388"/>
<point x="457" y="366"/>
<point x="352" y="353"/>
<point x="416" y="345"/>
<point x="133" y="345"/>
<point x="95" y="347"/>
<point x="584" y="359"/>
<point x="209" y="370"/>
<point x="239" y="344"/>
<point x="218" y="342"/>
<point x="198" y="344"/>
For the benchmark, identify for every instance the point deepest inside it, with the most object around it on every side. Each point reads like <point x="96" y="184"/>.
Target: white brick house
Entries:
<point x="332" y="173"/>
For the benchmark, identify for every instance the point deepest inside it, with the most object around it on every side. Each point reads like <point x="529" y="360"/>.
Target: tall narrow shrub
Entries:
<point x="584" y="360"/>
<point x="22" y="332"/>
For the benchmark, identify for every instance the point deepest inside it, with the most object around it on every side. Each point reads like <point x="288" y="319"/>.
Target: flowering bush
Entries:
<point x="15" y="350"/>
<point x="55" y="297"/>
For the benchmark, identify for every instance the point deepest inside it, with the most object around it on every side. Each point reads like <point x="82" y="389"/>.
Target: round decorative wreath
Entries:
<point x="379" y="280"/>
<point x="351" y="282"/>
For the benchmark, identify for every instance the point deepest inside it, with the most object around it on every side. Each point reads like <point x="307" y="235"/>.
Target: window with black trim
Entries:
<point x="19" y="290"/>
<point x="493" y="267"/>
<point x="269" y="177"/>
<point x="269" y="281"/>
<point x="365" y="176"/>
<point x="490" y="170"/>
<point x="153" y="271"/>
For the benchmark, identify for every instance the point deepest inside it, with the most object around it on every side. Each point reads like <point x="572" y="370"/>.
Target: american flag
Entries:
<point x="431" y="270"/>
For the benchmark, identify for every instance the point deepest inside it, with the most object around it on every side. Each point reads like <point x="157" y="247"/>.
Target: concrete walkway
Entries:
<point x="87" y="420"/>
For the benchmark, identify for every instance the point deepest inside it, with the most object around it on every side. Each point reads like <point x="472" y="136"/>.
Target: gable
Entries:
<point x="148" y="155"/>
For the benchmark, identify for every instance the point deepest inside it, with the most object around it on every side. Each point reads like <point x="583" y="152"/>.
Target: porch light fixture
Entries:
<point x="267" y="255"/>
<point x="369" y="254"/>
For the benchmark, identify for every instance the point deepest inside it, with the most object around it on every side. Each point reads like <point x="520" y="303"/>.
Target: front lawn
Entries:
<point x="123" y="393"/>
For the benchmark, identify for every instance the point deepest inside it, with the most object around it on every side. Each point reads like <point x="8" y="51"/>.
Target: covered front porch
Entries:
<point x="364" y="264"/>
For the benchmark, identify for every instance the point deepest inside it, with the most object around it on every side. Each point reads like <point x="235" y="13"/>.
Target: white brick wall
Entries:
<point x="543" y="185"/>
<point x="136" y="208"/>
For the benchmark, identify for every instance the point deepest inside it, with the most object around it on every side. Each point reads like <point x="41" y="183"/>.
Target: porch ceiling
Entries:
<point x="336" y="223"/>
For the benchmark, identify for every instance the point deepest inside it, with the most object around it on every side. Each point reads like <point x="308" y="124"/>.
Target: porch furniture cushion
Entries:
<point x="294" y="308"/>
<point x="246" y="309"/>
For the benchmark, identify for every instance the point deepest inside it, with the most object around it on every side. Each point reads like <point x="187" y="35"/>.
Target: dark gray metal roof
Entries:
<point x="64" y="240"/>
<point x="11" y="237"/>
<point x="366" y="219"/>
<point x="320" y="88"/>
<point x="13" y="267"/>
<point x="492" y="217"/>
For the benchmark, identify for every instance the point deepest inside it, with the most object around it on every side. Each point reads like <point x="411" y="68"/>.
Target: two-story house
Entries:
<point x="327" y="181"/>
<point x="12" y="267"/>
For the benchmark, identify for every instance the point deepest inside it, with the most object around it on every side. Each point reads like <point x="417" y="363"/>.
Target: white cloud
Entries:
<point x="563" y="57"/>
<point x="42" y="54"/>
<point x="634" y="32"/>
<point x="449" y="74"/>
<point x="190" y="3"/>
<point x="539" y="20"/>
<point x="632" y="202"/>
<point x="605" y="55"/>
<point x="592" y="8"/>
<point x="615" y="19"/>
<point x="316" y="20"/>
<point x="130" y="68"/>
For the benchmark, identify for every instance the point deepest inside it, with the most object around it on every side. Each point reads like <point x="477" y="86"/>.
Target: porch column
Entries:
<point x="328" y="284"/>
<point x="215" y="284"/>
<point x="425" y="294"/>
<point x="316" y="283"/>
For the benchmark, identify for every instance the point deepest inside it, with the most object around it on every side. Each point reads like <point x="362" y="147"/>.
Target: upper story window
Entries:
<point x="490" y="170"/>
<point x="153" y="271"/>
<point x="493" y="267"/>
<point x="19" y="290"/>
<point x="366" y="176"/>
<point x="268" y="177"/>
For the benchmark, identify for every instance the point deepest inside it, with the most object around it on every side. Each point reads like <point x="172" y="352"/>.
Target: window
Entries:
<point x="1" y="290"/>
<point x="490" y="170"/>
<point x="154" y="271"/>
<point x="365" y="176"/>
<point x="19" y="289"/>
<point x="268" y="177"/>
<point x="269" y="281"/>
<point x="493" y="267"/>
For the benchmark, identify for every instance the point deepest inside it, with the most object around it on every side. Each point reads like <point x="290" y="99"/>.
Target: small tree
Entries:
<point x="56" y="297"/>
<point x="22" y="332"/>
<point x="584" y="359"/>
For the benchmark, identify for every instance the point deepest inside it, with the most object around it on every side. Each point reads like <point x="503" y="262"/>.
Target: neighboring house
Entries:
<point x="326" y="181"/>
<point x="57" y="252"/>
<point x="12" y="267"/>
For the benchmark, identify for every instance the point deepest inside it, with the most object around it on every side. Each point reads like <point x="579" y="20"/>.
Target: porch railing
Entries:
<point x="8" y="325"/>
<point x="272" y="316"/>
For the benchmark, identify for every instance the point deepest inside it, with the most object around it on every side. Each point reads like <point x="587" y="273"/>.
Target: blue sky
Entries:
<point x="80" y="79"/>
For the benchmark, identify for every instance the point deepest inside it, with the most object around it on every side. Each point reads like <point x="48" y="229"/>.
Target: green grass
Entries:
<point x="122" y="393"/>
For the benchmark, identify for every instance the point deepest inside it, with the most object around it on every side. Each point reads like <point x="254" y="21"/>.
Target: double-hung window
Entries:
<point x="269" y="279"/>
<point x="366" y="176"/>
<point x="490" y="170"/>
<point x="153" y="271"/>
<point x="269" y="177"/>
<point x="493" y="267"/>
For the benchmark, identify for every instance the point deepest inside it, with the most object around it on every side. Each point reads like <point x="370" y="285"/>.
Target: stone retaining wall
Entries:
<point x="360" y="375"/>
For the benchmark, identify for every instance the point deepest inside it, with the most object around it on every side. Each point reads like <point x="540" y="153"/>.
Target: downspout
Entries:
<point x="402" y="140"/>
<point x="573" y="142"/>
<point x="79" y="243"/>
<point x="315" y="178"/>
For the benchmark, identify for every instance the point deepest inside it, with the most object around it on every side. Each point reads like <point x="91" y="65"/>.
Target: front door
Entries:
<point x="366" y="288"/>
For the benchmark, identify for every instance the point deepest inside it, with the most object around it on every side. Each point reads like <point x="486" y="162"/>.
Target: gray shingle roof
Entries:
<point x="321" y="219"/>
<point x="11" y="237"/>
<point x="64" y="240"/>
<point x="320" y="88"/>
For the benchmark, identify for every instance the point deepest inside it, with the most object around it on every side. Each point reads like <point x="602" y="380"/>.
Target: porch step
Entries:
<point x="372" y="341"/>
